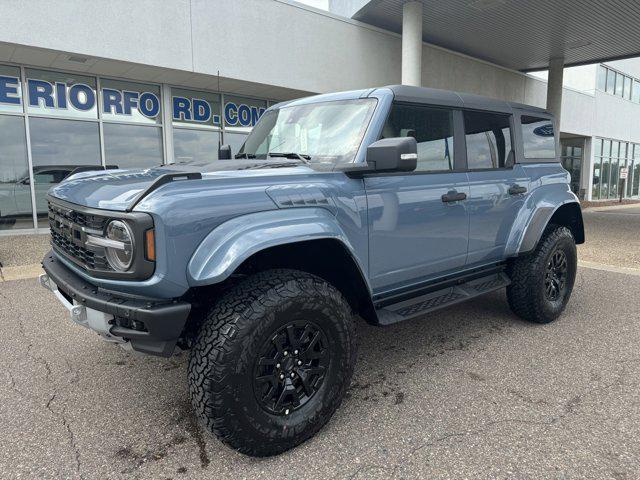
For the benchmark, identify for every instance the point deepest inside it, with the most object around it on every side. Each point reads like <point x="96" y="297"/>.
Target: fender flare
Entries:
<point x="534" y="218"/>
<point x="234" y="241"/>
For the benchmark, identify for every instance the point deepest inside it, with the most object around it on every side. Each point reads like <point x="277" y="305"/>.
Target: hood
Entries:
<point x="120" y="189"/>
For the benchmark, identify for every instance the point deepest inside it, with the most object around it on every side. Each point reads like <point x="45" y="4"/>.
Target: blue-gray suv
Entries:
<point x="386" y="204"/>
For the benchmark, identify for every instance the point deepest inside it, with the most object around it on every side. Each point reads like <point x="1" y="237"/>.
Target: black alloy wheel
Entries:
<point x="555" y="277"/>
<point x="291" y="367"/>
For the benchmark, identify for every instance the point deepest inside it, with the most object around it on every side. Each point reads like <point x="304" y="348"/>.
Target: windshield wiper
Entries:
<point x="300" y="156"/>
<point x="244" y="155"/>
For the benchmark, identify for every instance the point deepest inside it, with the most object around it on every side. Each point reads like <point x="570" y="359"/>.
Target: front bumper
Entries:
<point x="149" y="325"/>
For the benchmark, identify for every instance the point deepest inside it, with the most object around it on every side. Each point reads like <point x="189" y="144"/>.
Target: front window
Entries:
<point x="328" y="132"/>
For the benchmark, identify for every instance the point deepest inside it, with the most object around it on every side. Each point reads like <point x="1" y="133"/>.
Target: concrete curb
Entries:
<point x="611" y="207"/>
<point x="609" y="268"/>
<point x="20" y="272"/>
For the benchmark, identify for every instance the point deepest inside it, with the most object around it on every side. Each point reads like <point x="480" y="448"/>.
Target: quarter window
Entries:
<point x="488" y="137"/>
<point x="538" y="137"/>
<point x="433" y="130"/>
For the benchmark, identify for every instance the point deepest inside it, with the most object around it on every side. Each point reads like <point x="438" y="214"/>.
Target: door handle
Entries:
<point x="453" y="196"/>
<point x="517" y="190"/>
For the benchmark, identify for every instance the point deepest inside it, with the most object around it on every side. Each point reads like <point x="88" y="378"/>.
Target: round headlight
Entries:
<point x="120" y="255"/>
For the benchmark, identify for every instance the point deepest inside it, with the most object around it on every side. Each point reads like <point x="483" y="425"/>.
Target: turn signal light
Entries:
<point x="150" y="245"/>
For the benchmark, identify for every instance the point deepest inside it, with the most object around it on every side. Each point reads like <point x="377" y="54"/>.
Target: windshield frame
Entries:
<point x="355" y="157"/>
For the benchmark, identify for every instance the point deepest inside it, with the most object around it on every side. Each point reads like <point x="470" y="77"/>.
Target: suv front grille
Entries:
<point x="68" y="234"/>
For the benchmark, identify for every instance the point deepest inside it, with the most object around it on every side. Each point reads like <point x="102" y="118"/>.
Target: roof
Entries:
<point x="434" y="96"/>
<point x="518" y="34"/>
<point x="431" y="96"/>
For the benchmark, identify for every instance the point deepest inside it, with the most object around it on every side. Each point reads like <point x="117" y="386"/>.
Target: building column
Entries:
<point x="412" y="43"/>
<point x="554" y="87"/>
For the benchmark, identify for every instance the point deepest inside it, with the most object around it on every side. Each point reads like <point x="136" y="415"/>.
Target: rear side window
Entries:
<point x="433" y="130"/>
<point x="538" y="137"/>
<point x="488" y="137"/>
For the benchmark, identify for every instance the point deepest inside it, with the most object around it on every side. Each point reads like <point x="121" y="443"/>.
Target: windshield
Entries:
<point x="328" y="132"/>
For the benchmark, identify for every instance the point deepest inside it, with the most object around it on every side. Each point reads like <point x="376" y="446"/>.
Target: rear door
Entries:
<point x="497" y="185"/>
<point x="416" y="232"/>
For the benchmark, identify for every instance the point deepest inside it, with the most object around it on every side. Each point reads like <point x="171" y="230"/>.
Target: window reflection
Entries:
<point x="235" y="140"/>
<point x="195" y="145"/>
<point x="15" y="190"/>
<point x="538" y="137"/>
<point x="57" y="148"/>
<point x="129" y="146"/>
<point x="488" y="137"/>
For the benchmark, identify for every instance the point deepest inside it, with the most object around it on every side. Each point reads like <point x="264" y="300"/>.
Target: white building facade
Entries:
<point x="137" y="84"/>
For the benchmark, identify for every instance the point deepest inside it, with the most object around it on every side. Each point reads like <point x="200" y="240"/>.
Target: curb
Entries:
<point x="609" y="268"/>
<point x="21" y="272"/>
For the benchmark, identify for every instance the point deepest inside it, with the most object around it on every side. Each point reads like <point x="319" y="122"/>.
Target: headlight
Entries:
<point x="120" y="252"/>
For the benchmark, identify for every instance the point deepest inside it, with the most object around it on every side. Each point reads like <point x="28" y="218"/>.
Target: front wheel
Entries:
<point x="541" y="282"/>
<point x="272" y="361"/>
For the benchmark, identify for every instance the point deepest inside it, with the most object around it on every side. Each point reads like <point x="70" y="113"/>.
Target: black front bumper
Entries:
<point x="157" y="323"/>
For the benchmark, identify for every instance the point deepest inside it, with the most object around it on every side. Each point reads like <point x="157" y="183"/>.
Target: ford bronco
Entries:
<point x="386" y="204"/>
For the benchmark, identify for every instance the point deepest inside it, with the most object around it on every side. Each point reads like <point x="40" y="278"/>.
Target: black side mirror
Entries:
<point x="224" y="152"/>
<point x="398" y="154"/>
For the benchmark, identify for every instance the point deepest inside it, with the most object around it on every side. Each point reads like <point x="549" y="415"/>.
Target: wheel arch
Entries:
<point x="306" y="239"/>
<point x="568" y="214"/>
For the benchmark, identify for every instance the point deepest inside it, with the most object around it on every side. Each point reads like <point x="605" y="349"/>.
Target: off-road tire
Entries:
<point x="222" y="361"/>
<point x="526" y="294"/>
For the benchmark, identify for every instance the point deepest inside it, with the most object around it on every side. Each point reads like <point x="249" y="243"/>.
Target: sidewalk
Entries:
<point x="595" y="206"/>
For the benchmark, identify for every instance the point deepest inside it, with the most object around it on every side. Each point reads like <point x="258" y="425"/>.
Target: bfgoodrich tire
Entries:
<point x="272" y="361"/>
<point x="541" y="282"/>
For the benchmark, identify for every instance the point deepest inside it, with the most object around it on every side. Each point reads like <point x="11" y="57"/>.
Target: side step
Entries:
<point x="445" y="297"/>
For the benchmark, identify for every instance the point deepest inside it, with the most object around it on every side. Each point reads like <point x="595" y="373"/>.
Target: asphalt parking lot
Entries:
<point x="469" y="392"/>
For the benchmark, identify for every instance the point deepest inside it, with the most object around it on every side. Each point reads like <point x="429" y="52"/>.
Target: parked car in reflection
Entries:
<point x="15" y="197"/>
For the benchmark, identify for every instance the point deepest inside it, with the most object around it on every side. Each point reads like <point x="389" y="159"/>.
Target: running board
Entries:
<point x="445" y="297"/>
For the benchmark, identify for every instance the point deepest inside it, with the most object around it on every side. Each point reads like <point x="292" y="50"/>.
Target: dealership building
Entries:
<point x="138" y="84"/>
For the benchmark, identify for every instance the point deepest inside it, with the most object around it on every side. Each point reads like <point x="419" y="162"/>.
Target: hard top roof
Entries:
<point x="434" y="96"/>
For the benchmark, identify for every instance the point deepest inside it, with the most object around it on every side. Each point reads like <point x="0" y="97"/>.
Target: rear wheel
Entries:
<point x="272" y="361"/>
<point x="542" y="282"/>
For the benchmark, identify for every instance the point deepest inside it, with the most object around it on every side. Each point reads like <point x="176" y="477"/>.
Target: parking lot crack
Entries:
<point x="62" y="418"/>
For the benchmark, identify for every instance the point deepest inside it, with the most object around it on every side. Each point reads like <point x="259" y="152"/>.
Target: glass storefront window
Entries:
<point x="122" y="101"/>
<point x="15" y="189"/>
<point x="57" y="148"/>
<point x="192" y="145"/>
<point x="10" y="89"/>
<point x="55" y="94"/>
<point x="597" y="179"/>
<point x="604" y="179"/>
<point x="597" y="149"/>
<point x="614" y="179"/>
<point x="132" y="146"/>
<point x="241" y="114"/>
<point x="236" y="140"/>
<point x="191" y="107"/>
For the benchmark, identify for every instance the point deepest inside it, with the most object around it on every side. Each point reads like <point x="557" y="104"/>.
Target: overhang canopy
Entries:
<point x="518" y="34"/>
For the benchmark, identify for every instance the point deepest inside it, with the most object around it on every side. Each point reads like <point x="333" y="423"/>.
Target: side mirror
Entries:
<point x="224" y="152"/>
<point x="393" y="155"/>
